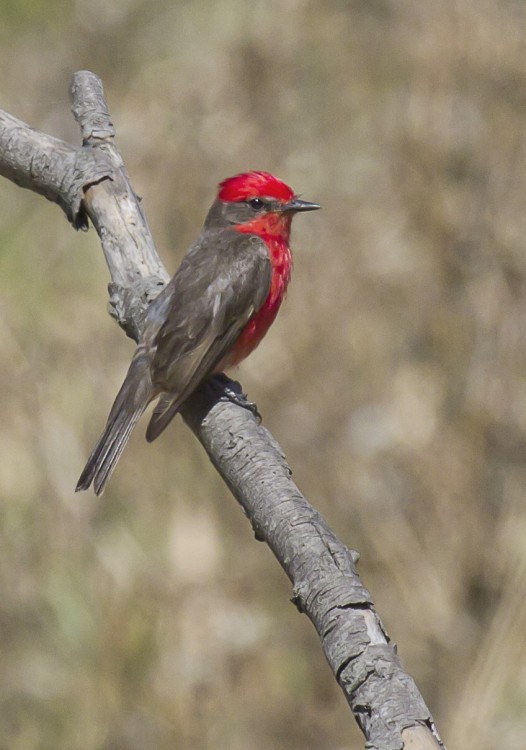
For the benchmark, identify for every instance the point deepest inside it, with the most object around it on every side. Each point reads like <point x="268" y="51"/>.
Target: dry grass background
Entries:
<point x="395" y="378"/>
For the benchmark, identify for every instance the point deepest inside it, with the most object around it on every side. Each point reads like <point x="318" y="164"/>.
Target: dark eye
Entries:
<point x="256" y="203"/>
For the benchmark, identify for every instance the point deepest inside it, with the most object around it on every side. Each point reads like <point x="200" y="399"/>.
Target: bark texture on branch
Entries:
<point x="91" y="182"/>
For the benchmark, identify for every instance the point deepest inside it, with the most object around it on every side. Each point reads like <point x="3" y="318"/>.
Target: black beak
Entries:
<point x="298" y="205"/>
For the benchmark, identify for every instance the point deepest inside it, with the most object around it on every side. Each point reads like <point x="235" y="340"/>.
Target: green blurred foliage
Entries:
<point x="394" y="378"/>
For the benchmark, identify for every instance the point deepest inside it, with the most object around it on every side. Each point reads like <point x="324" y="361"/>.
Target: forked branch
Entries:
<point x="90" y="182"/>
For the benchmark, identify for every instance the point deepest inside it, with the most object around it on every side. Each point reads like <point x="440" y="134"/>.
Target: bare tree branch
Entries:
<point x="91" y="182"/>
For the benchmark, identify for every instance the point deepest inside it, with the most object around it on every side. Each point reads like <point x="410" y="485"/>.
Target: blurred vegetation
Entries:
<point x="395" y="377"/>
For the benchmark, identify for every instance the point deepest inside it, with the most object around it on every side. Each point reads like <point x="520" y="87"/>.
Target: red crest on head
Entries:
<point x="252" y="184"/>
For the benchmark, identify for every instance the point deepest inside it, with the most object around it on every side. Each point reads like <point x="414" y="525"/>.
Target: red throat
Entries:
<point x="256" y="328"/>
<point x="274" y="230"/>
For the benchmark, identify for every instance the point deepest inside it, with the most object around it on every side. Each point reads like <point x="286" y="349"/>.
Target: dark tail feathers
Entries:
<point x="134" y="396"/>
<point x="163" y="414"/>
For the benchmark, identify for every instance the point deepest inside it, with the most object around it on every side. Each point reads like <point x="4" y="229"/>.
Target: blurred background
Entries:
<point x="394" y="378"/>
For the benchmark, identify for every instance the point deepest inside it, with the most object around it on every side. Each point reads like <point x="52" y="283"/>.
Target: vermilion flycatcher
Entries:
<point x="211" y="315"/>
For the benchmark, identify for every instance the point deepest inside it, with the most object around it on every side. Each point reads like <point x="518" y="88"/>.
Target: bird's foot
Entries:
<point x="231" y="391"/>
<point x="240" y="399"/>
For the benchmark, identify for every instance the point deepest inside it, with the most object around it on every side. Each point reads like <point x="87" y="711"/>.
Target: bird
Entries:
<point x="211" y="315"/>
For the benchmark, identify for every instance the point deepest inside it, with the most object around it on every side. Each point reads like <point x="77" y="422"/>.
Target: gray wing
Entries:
<point x="223" y="280"/>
